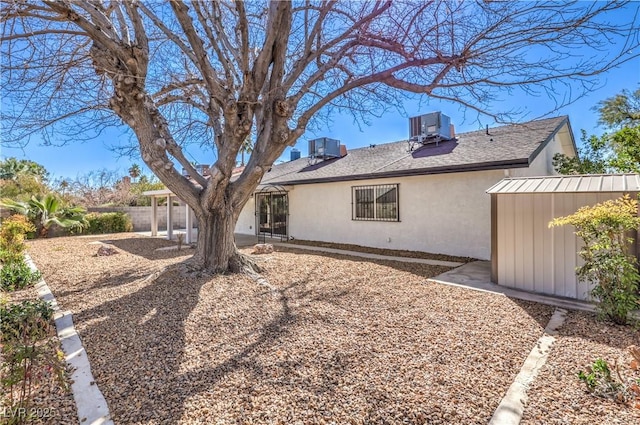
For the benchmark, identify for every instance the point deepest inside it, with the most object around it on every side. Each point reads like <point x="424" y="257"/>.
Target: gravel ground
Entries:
<point x="51" y="403"/>
<point x="558" y="397"/>
<point x="340" y="339"/>
<point x="380" y="251"/>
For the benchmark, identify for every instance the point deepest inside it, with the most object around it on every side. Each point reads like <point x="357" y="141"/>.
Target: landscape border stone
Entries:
<point x="512" y="405"/>
<point x="90" y="402"/>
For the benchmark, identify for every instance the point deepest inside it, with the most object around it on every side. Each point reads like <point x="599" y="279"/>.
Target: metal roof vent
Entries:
<point x="295" y="154"/>
<point x="430" y="128"/>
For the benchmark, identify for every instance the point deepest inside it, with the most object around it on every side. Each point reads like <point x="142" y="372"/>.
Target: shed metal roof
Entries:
<point x="569" y="184"/>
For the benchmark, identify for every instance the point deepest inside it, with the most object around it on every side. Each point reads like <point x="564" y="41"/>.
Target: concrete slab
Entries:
<point x="184" y="247"/>
<point x="242" y="240"/>
<point x="477" y="276"/>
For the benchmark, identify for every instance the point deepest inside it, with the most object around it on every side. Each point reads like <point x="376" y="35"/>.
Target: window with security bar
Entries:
<point x="375" y="203"/>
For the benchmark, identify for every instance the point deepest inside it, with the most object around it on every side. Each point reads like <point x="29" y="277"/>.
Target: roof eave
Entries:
<point x="493" y="165"/>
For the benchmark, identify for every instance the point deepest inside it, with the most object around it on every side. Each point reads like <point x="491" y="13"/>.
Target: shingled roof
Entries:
<point x="509" y="146"/>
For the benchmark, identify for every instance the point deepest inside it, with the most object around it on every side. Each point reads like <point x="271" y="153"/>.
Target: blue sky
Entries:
<point x="78" y="159"/>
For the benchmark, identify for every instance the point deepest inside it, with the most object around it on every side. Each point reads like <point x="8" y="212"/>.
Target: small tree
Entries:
<point x="22" y="179"/>
<point x="592" y="157"/>
<point x="608" y="264"/>
<point x="615" y="152"/>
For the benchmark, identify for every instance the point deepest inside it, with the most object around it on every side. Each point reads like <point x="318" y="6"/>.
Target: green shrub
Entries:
<point x="28" y="317"/>
<point x="602" y="382"/>
<point x="608" y="263"/>
<point x="30" y="358"/>
<point x="12" y="235"/>
<point x="17" y="275"/>
<point x="112" y="222"/>
<point x="46" y="211"/>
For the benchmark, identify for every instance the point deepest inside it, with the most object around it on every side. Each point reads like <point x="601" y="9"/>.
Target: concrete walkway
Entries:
<point x="477" y="276"/>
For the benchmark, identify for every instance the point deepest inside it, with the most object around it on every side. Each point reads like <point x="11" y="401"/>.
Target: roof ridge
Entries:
<point x="457" y="136"/>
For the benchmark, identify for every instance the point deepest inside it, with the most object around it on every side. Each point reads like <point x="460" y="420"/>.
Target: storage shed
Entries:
<point x="525" y="253"/>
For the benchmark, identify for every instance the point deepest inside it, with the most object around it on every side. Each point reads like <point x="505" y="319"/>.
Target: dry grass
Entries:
<point x="340" y="339"/>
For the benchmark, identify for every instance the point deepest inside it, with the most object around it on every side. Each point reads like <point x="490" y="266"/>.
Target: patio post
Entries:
<point x="188" y="224"/>
<point x="154" y="216"/>
<point x="169" y="218"/>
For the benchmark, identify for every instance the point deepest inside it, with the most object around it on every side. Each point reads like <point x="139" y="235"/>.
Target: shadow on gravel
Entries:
<point x="146" y="247"/>
<point x="243" y="348"/>
<point x="585" y="325"/>
<point x="109" y="281"/>
<point x="138" y="347"/>
<point x="541" y="313"/>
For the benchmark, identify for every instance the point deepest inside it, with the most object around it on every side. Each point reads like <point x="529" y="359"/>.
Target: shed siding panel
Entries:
<point x="548" y="253"/>
<point x="509" y="239"/>
<point x="538" y="242"/>
<point x="501" y="231"/>
<point x="519" y="238"/>
<point x="528" y="242"/>
<point x="534" y="257"/>
<point x="569" y="287"/>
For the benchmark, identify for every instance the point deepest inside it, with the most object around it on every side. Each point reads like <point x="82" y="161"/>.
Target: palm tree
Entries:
<point x="135" y="171"/>
<point x="64" y="185"/>
<point x="247" y="147"/>
<point x="47" y="211"/>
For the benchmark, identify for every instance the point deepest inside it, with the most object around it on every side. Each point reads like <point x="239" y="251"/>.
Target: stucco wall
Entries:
<point x="141" y="216"/>
<point x="442" y="213"/>
<point x="247" y="220"/>
<point x="446" y="213"/>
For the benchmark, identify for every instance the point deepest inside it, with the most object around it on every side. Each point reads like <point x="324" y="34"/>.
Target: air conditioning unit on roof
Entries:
<point x="324" y="148"/>
<point x="430" y="128"/>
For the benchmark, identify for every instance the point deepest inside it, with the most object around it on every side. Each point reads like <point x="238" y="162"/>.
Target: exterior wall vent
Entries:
<point x="430" y="128"/>
<point x="324" y="148"/>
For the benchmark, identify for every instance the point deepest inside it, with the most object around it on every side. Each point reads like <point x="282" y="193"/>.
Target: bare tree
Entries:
<point x="217" y="71"/>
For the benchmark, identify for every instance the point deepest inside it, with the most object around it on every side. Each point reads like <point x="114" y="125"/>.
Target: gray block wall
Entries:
<point x="141" y="216"/>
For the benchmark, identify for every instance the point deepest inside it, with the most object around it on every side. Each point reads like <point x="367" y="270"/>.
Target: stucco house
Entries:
<point x="405" y="195"/>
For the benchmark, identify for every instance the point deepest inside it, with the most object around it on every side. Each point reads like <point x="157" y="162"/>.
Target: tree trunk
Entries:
<point x="216" y="250"/>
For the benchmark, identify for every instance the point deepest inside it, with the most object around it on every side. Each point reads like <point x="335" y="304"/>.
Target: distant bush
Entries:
<point x="112" y="222"/>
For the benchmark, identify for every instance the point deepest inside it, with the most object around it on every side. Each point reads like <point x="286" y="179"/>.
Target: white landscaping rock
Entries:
<point x="262" y="248"/>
